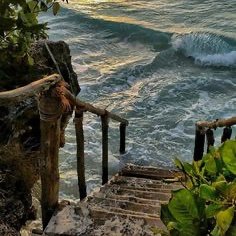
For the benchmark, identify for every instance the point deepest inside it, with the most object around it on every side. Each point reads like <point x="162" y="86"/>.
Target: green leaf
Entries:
<point x="173" y="225"/>
<point x="55" y="8"/>
<point x="230" y="192"/>
<point x="224" y="219"/>
<point x="28" y="18"/>
<point x="183" y="207"/>
<point x="179" y="229"/>
<point x="207" y="192"/>
<point x="216" y="231"/>
<point x="33" y="5"/>
<point x="220" y="178"/>
<point x="231" y="231"/>
<point x="210" y="164"/>
<point x="178" y="163"/>
<point x="220" y="186"/>
<point x="212" y="209"/>
<point x="30" y="60"/>
<point x="228" y="153"/>
<point x="166" y="216"/>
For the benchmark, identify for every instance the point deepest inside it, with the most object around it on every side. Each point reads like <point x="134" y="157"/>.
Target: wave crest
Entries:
<point x="206" y="49"/>
<point x="224" y="59"/>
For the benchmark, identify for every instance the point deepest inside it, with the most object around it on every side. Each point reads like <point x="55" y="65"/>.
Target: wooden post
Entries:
<point x="50" y="113"/>
<point x="199" y="144"/>
<point x="227" y="132"/>
<point x="122" y="137"/>
<point x="78" y="120"/>
<point x="210" y="139"/>
<point x="104" y="119"/>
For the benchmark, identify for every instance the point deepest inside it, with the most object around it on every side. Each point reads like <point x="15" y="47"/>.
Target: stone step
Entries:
<point x="134" y="199"/>
<point x="129" y="204"/>
<point x="146" y="183"/>
<point x="115" y="189"/>
<point x="138" y="187"/>
<point x="148" y="172"/>
<point x="100" y="216"/>
<point x="126" y="205"/>
<point x="123" y="211"/>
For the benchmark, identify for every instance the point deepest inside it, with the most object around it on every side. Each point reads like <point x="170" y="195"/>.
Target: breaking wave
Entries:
<point x="206" y="49"/>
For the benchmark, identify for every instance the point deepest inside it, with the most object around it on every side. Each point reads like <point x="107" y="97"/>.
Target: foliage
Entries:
<point x="206" y="206"/>
<point x="19" y="27"/>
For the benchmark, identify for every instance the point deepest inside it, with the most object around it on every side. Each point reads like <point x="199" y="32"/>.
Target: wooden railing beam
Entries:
<point x="227" y="132"/>
<point x="92" y="109"/>
<point x="210" y="139"/>
<point x="104" y="120"/>
<point x="78" y="120"/>
<point x="30" y="90"/>
<point x="50" y="122"/>
<point x="199" y="145"/>
<point x="217" y="123"/>
<point x="122" y="137"/>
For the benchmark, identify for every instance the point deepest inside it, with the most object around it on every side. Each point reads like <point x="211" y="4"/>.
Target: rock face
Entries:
<point x="17" y="176"/>
<point x="20" y="134"/>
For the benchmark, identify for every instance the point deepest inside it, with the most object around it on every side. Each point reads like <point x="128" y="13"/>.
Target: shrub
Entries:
<point x="19" y="27"/>
<point x="206" y="204"/>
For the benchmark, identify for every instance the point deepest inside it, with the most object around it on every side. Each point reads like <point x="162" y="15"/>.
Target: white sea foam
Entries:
<point x="224" y="59"/>
<point x="205" y="49"/>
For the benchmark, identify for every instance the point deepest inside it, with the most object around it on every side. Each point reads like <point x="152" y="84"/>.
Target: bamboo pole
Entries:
<point x="104" y="119"/>
<point x="78" y="120"/>
<point x="122" y="137"/>
<point x="50" y="141"/>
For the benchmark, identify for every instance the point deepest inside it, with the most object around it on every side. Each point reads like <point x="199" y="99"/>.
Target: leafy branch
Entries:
<point x="19" y="28"/>
<point x="207" y="204"/>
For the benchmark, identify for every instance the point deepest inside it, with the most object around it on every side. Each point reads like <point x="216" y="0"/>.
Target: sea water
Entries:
<point x="161" y="64"/>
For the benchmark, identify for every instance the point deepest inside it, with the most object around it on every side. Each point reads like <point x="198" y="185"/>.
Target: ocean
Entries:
<point x="161" y="64"/>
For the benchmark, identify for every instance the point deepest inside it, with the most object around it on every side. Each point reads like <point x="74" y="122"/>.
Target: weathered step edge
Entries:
<point x="95" y="216"/>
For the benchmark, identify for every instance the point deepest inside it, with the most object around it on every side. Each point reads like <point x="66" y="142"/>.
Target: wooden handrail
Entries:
<point x="20" y="94"/>
<point x="216" y="123"/>
<point x="204" y="128"/>
<point x="95" y="110"/>
<point x="50" y="137"/>
<point x="36" y="87"/>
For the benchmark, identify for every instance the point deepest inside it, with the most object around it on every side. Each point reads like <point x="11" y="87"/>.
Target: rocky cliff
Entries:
<point x="20" y="134"/>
